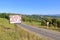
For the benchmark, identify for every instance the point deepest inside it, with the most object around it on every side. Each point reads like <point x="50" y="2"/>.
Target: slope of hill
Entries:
<point x="9" y="32"/>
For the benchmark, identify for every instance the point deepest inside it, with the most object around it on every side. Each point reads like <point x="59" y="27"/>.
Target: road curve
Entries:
<point x="44" y="32"/>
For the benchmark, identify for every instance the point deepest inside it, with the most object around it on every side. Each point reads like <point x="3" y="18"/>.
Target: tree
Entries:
<point x="4" y="15"/>
<point x="54" y="22"/>
<point x="58" y="23"/>
<point x="43" y="23"/>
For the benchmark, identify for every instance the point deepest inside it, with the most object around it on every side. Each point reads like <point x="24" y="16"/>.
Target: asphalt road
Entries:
<point x="44" y="32"/>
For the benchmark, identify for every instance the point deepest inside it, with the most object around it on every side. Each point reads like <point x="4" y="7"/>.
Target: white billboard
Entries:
<point x="15" y="19"/>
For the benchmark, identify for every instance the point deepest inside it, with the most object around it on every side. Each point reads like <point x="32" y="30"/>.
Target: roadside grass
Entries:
<point x="37" y="24"/>
<point x="54" y="28"/>
<point x="5" y="23"/>
<point x="12" y="32"/>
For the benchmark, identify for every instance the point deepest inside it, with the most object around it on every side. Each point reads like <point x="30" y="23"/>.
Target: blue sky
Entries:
<point x="43" y="7"/>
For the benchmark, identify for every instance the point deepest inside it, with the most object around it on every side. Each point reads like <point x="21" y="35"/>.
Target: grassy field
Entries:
<point x="9" y="32"/>
<point x="37" y="24"/>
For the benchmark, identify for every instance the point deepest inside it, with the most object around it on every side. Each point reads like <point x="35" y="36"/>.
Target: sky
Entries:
<point x="39" y="7"/>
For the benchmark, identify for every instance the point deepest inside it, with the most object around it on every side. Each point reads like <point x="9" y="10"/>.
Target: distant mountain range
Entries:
<point x="49" y="15"/>
<point x="55" y="15"/>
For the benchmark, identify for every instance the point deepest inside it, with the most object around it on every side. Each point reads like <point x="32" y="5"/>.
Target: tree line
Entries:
<point x="4" y="15"/>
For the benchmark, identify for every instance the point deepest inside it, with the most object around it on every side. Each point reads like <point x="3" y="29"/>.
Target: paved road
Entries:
<point x="44" y="32"/>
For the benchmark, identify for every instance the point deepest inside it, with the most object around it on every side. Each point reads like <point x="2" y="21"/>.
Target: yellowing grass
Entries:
<point x="9" y="32"/>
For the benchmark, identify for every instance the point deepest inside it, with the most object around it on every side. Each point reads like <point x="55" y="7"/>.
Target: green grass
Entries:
<point x="9" y="32"/>
<point x="38" y="24"/>
<point x="5" y="23"/>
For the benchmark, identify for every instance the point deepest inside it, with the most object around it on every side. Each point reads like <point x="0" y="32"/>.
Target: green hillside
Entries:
<point x="41" y="21"/>
<point x="9" y="32"/>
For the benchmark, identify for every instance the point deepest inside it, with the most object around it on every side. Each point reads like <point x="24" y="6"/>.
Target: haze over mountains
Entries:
<point x="54" y="15"/>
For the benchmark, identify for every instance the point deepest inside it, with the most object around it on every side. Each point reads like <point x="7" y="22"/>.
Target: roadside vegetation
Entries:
<point x="12" y="32"/>
<point x="38" y="20"/>
<point x="41" y="21"/>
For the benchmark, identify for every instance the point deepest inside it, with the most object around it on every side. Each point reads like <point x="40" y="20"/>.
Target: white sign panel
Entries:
<point x="47" y="23"/>
<point x="15" y="19"/>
